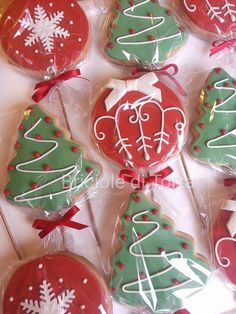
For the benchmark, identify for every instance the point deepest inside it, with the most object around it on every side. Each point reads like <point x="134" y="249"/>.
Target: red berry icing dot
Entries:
<point x="128" y="217"/>
<point x="137" y="198"/>
<point x="10" y="168"/>
<point x="132" y="31"/>
<point x="185" y="246"/>
<point x="234" y="83"/>
<point x="110" y="45"/>
<point x="219" y="101"/>
<point x="37" y="136"/>
<point x="34" y="185"/>
<point x="223" y="132"/>
<point x="46" y="167"/>
<point x="139" y="235"/>
<point x="132" y="2"/>
<point x="123" y="237"/>
<point x="197" y="149"/>
<point x="210" y="87"/>
<point x="150" y="14"/>
<point x="146" y="218"/>
<point x="18" y="145"/>
<point x="7" y="192"/>
<point x="113" y="289"/>
<point x="168" y="12"/>
<point x="201" y="125"/>
<point x="151" y="38"/>
<point x="58" y="133"/>
<point x="142" y="275"/>
<point x="166" y="227"/>
<point x="74" y="149"/>
<point x="175" y="282"/>
<point x="218" y="70"/>
<point x="121" y="266"/>
<point x="89" y="170"/>
<point x="207" y="105"/>
<point x="161" y="250"/>
<point x="48" y="119"/>
<point x="36" y="154"/>
<point x="21" y="127"/>
<point x="155" y="212"/>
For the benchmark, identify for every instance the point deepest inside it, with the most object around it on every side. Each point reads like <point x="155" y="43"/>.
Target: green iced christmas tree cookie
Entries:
<point x="155" y="267"/>
<point x="49" y="170"/>
<point x="216" y="129"/>
<point x="143" y="32"/>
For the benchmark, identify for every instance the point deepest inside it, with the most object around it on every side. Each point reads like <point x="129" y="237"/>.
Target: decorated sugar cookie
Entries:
<point x="154" y="267"/>
<point x="143" y="32"/>
<point x="56" y="284"/>
<point x="49" y="171"/>
<point x="211" y="18"/>
<point x="45" y="36"/>
<point x="139" y="122"/>
<point x="216" y="128"/>
<point x="224" y="237"/>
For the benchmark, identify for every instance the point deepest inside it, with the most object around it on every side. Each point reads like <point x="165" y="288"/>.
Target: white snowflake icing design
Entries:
<point x="228" y="9"/>
<point x="44" y="28"/>
<point x="49" y="303"/>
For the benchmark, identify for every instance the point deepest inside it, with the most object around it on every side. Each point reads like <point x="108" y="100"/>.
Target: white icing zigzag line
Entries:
<point x="151" y="18"/>
<point x="230" y="10"/>
<point x="209" y="143"/>
<point x="71" y="170"/>
<point x="214" y="12"/>
<point x="220" y="258"/>
<point x="126" y="287"/>
<point x="227" y="88"/>
<point x="191" y="7"/>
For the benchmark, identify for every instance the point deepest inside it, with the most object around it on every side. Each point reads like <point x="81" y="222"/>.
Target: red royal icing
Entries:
<point x="43" y="35"/>
<point x="226" y="248"/>
<point x="63" y="274"/>
<point x="212" y="15"/>
<point x="153" y="118"/>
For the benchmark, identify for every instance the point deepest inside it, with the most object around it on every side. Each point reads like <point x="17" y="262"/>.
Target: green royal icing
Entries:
<point x="216" y="128"/>
<point x="143" y="32"/>
<point x="144" y="275"/>
<point x="48" y="170"/>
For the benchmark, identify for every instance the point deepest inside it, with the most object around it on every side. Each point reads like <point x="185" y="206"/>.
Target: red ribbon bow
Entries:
<point x="133" y="177"/>
<point x="168" y="70"/>
<point x="221" y="45"/>
<point x="41" y="89"/>
<point x="47" y="226"/>
<point x="229" y="181"/>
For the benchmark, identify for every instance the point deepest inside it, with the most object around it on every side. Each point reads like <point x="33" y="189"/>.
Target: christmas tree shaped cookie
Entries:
<point x="49" y="170"/>
<point x="216" y="128"/>
<point x="143" y="32"/>
<point x="155" y="267"/>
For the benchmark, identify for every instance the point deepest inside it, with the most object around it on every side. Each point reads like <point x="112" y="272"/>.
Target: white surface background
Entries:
<point x="18" y="240"/>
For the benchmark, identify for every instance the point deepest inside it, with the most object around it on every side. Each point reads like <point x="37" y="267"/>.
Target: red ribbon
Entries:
<point x="229" y="181"/>
<point x="41" y="89"/>
<point x="168" y="70"/>
<point x="47" y="226"/>
<point x="133" y="177"/>
<point x="183" y="311"/>
<point x="221" y="45"/>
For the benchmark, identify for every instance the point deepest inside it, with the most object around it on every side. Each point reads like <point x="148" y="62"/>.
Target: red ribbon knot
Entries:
<point x="169" y="70"/>
<point x="47" y="226"/>
<point x="133" y="177"/>
<point x="220" y="45"/>
<point x="229" y="181"/>
<point x="41" y="89"/>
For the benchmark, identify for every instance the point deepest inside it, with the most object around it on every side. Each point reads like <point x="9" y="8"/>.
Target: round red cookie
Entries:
<point x="44" y="35"/>
<point x="139" y="122"/>
<point x="225" y="245"/>
<point x="58" y="283"/>
<point x="211" y="18"/>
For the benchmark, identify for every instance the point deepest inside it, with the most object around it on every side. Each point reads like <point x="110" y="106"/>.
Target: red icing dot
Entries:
<point x="110" y="45"/>
<point x="89" y="169"/>
<point x="155" y="212"/>
<point x="223" y="132"/>
<point x="132" y="2"/>
<point x="197" y="149"/>
<point x="219" y="101"/>
<point x="121" y="266"/>
<point x="132" y="31"/>
<point x="151" y="37"/>
<point x="36" y="154"/>
<point x="21" y="127"/>
<point x="10" y="168"/>
<point x="123" y="237"/>
<point x="166" y="227"/>
<point x="234" y="83"/>
<point x="218" y="70"/>
<point x="137" y="198"/>
<point x="66" y="186"/>
<point x="154" y="1"/>
<point x="74" y="149"/>
<point x="142" y="275"/>
<point x="37" y="136"/>
<point x="168" y="12"/>
<point x="7" y="192"/>
<point x="227" y="84"/>
<point x="139" y="235"/>
<point x="182" y="29"/>
<point x="18" y="145"/>
<point x="34" y="185"/>
<point x="185" y="246"/>
<point x="46" y="167"/>
<point x="146" y="218"/>
<point x="201" y="125"/>
<point x="118" y="7"/>
<point x="161" y="250"/>
<point x="48" y="119"/>
<point x="58" y="133"/>
<point x="175" y="282"/>
<point x="113" y="289"/>
<point x="207" y="105"/>
<point x="128" y="217"/>
<point x="150" y="14"/>
<point x="210" y="87"/>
